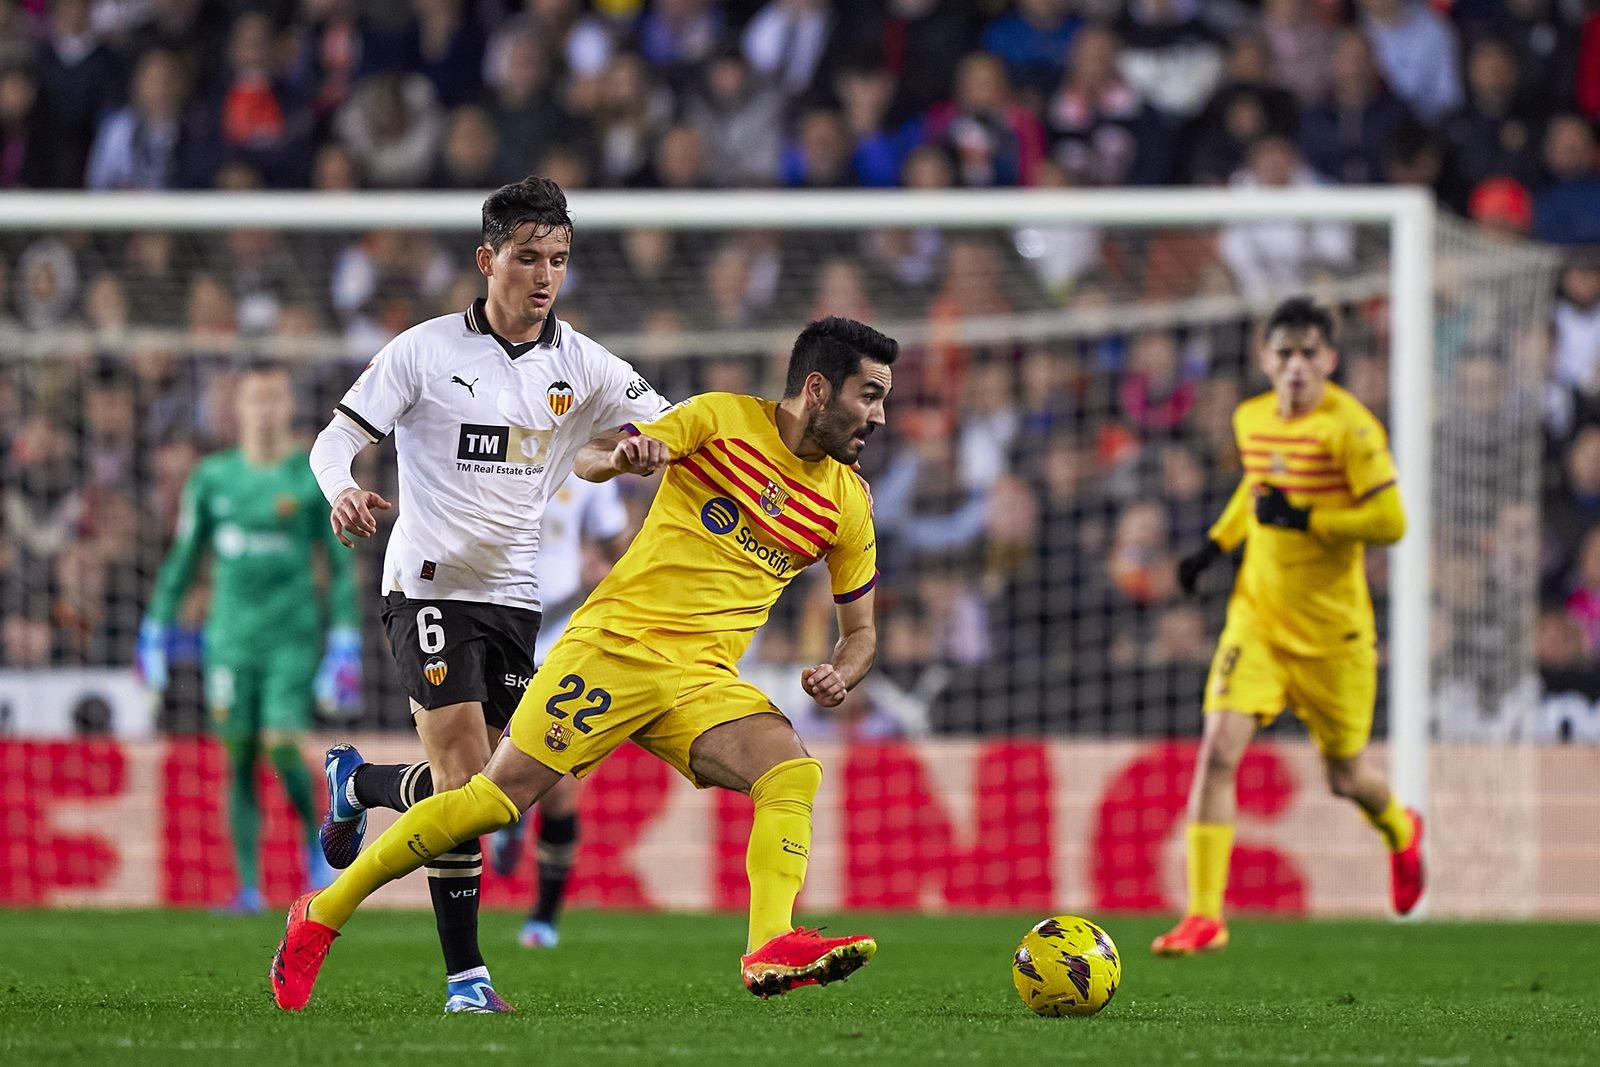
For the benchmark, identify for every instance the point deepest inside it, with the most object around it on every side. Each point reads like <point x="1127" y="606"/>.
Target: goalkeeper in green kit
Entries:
<point x="271" y="649"/>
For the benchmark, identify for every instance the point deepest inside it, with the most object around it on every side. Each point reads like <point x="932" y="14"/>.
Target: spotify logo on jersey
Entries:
<point x="720" y="515"/>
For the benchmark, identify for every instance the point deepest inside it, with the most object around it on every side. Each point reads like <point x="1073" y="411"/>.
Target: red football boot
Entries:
<point x="1407" y="879"/>
<point x="299" y="957"/>
<point x="1194" y="934"/>
<point x="803" y="957"/>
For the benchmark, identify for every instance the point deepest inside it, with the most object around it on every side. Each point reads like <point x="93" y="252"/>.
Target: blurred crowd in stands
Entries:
<point x="1031" y="497"/>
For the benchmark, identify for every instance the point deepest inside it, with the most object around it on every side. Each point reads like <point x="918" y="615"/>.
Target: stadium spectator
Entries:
<point x="1493" y="134"/>
<point x="258" y="115"/>
<point x="522" y="103"/>
<point x="676" y="35"/>
<point x="1344" y="134"/>
<point x="1246" y="107"/>
<point x="865" y="96"/>
<point x="1545" y="36"/>
<point x="41" y="497"/>
<point x="1156" y="394"/>
<point x="1567" y="210"/>
<point x="1302" y="48"/>
<point x="1099" y="125"/>
<point x="629" y="112"/>
<point x="786" y="41"/>
<point x="46" y="284"/>
<point x="581" y="41"/>
<point x="1573" y="509"/>
<point x="971" y="289"/>
<point x="819" y="155"/>
<point x="1170" y="54"/>
<point x="1267" y="257"/>
<point x="391" y="126"/>
<point x="919" y="503"/>
<point x="327" y="57"/>
<point x="141" y="145"/>
<point x="990" y="423"/>
<point x="994" y="139"/>
<point x="1412" y="154"/>
<point x="1576" y="343"/>
<point x="467" y="158"/>
<point x="1416" y="50"/>
<point x="1583" y="601"/>
<point x="445" y="44"/>
<point x="740" y="121"/>
<point x="20" y="130"/>
<point x="79" y="80"/>
<point x="333" y="169"/>
<point x="678" y="161"/>
<point x="919" y="42"/>
<point x="151" y="270"/>
<point x="842" y="290"/>
<point x="1033" y="40"/>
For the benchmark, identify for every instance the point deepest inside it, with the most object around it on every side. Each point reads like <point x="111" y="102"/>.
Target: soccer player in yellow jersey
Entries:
<point x="755" y="492"/>
<point x="1319" y="485"/>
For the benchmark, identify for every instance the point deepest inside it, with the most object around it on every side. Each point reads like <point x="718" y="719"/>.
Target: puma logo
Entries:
<point x="468" y="386"/>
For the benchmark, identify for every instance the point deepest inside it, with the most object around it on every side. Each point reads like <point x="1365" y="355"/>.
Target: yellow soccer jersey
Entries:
<point x="1300" y="593"/>
<point x="736" y="518"/>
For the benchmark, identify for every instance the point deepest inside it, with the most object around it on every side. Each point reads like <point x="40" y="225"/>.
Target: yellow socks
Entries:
<point x="430" y="829"/>
<point x="1394" y="824"/>
<point x="780" y="845"/>
<point x="1210" y="849"/>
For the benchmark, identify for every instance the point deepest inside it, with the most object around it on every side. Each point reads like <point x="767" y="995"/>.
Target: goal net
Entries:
<point x="1059" y="435"/>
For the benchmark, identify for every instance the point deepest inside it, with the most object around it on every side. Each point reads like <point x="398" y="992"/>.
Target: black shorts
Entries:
<point x="454" y="651"/>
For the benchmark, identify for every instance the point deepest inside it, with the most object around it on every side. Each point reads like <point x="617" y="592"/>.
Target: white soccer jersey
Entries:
<point x="578" y="513"/>
<point x="485" y="431"/>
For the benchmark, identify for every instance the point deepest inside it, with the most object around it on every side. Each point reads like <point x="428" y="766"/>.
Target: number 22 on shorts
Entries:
<point x="571" y="688"/>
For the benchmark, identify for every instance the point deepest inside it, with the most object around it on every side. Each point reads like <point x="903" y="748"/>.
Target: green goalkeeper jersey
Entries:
<point x="261" y="526"/>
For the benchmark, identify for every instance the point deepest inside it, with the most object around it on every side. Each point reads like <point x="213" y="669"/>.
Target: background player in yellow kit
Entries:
<point x="1319" y="485"/>
<point x="756" y="491"/>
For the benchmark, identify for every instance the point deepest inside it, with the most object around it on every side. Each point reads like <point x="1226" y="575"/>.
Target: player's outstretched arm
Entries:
<point x="172" y="581"/>
<point x="827" y="683"/>
<point x="619" y="452"/>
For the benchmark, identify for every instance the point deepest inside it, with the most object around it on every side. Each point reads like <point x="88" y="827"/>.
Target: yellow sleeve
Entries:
<point x="853" y="560"/>
<point x="1379" y="519"/>
<point x="1368" y="465"/>
<point x="1233" y="525"/>
<point x="684" y="427"/>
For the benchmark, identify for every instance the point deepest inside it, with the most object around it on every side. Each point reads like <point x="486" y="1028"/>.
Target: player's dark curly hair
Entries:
<point x="533" y="199"/>
<point x="834" y="347"/>
<point x="1301" y="313"/>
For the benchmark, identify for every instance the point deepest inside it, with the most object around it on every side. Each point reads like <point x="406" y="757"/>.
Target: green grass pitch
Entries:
<point x="139" y="988"/>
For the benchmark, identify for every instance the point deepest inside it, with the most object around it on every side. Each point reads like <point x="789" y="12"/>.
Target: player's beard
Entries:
<point x="835" y="430"/>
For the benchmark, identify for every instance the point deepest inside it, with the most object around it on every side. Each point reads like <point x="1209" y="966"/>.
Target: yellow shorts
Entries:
<point x="1333" y="695"/>
<point x="598" y="689"/>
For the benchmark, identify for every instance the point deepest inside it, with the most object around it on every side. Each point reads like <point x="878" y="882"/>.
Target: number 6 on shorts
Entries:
<point x="430" y="631"/>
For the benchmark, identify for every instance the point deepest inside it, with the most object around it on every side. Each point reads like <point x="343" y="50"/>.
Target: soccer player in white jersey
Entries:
<point x="488" y="408"/>
<point x="582" y="517"/>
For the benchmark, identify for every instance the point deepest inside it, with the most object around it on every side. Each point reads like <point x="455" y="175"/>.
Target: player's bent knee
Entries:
<point x="484" y="807"/>
<point x="794" y="780"/>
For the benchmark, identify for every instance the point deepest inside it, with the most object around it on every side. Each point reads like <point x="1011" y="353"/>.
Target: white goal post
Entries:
<point x="1407" y="213"/>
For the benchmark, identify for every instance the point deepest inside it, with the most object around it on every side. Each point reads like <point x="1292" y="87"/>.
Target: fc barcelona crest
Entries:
<point x="555" y="739"/>
<point x="560" y="397"/>
<point x="434" y="671"/>
<point x="773" y="499"/>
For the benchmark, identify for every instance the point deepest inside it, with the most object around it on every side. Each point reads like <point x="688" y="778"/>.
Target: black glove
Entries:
<point x="1190" y="566"/>
<point x="1274" y="509"/>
